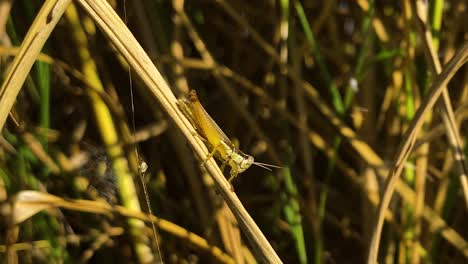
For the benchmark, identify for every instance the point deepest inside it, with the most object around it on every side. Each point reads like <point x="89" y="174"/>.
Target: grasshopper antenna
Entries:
<point x="266" y="166"/>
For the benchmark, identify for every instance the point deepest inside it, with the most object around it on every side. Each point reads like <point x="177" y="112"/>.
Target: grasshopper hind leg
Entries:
<point x="208" y="158"/>
<point x="212" y="153"/>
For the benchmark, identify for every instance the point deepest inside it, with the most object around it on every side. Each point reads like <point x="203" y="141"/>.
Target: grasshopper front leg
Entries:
<point x="233" y="174"/>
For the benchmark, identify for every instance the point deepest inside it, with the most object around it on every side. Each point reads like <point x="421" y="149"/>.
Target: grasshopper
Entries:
<point x="219" y="145"/>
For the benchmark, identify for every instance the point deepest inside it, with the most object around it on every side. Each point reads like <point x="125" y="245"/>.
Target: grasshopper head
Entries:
<point x="240" y="161"/>
<point x="246" y="163"/>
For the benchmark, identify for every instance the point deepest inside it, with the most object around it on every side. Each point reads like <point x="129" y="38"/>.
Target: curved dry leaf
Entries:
<point x="29" y="203"/>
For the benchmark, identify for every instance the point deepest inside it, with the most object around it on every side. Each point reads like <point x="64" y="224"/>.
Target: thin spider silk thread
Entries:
<point x="141" y="163"/>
